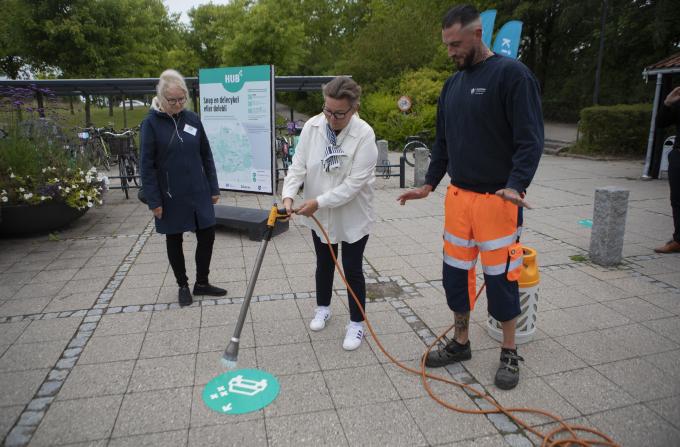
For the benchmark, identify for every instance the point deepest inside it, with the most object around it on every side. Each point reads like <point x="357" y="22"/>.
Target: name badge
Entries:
<point x="190" y="129"/>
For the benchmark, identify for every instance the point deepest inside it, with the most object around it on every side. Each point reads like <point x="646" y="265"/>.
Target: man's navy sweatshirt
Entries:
<point x="489" y="128"/>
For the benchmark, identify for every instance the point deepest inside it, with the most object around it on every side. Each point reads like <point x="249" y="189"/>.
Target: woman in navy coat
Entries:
<point x="180" y="181"/>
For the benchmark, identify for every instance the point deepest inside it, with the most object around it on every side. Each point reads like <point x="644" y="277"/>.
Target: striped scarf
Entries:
<point x="331" y="160"/>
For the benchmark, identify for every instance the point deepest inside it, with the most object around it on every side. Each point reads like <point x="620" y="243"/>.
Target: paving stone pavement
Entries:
<point x="94" y="349"/>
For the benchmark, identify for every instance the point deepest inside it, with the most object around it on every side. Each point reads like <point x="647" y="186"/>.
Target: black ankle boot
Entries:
<point x="185" y="298"/>
<point x="208" y="289"/>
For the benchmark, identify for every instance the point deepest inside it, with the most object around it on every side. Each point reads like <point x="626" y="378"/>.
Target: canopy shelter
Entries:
<point x="253" y="220"/>
<point x="136" y="87"/>
<point x="665" y="71"/>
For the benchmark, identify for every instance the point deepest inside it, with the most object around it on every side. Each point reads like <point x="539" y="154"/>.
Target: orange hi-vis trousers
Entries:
<point x="482" y="224"/>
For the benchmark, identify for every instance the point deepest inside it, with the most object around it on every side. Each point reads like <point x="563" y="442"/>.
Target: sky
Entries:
<point x="182" y="6"/>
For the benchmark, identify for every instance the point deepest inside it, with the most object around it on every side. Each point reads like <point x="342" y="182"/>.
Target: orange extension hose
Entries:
<point x="548" y="438"/>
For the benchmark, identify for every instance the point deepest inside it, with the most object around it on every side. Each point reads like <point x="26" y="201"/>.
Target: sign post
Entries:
<point x="237" y="105"/>
<point x="236" y="110"/>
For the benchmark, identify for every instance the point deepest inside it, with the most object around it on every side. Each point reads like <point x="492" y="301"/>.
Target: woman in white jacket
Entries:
<point x="335" y="159"/>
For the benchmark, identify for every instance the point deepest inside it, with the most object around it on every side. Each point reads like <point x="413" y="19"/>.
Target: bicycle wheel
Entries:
<point x="133" y="169"/>
<point x="106" y="155"/>
<point x="409" y="151"/>
<point x="97" y="155"/>
<point x="122" y="172"/>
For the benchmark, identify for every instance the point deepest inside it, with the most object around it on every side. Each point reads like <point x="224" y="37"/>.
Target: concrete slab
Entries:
<point x="170" y="343"/>
<point x="164" y="372"/>
<point x="112" y="348"/>
<point x="588" y="390"/>
<point x="78" y="420"/>
<point x="351" y="387"/>
<point x="387" y="423"/>
<point x="97" y="380"/>
<point x="167" y="439"/>
<point x="636" y="426"/>
<point x="154" y="411"/>
<point x="321" y="428"/>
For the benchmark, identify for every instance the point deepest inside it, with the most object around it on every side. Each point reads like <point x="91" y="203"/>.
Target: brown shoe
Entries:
<point x="671" y="246"/>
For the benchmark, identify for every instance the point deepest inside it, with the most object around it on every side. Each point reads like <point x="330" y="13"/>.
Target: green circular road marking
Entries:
<point x="241" y="391"/>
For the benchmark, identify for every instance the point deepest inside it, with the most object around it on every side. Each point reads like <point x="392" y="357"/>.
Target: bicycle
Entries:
<point x="285" y="145"/>
<point x="124" y="148"/>
<point x="413" y="142"/>
<point x="92" y="146"/>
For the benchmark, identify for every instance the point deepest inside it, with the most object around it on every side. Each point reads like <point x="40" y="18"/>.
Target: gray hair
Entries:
<point x="170" y="78"/>
<point x="343" y="87"/>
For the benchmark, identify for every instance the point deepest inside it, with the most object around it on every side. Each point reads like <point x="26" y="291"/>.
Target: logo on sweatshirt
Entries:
<point x="477" y="91"/>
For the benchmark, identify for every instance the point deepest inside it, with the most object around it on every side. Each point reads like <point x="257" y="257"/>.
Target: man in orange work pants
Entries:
<point x="489" y="140"/>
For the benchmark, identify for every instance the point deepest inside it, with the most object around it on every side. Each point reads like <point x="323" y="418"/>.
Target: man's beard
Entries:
<point x="468" y="60"/>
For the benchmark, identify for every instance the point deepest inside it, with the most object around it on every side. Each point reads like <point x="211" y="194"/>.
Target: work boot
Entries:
<point x="671" y="246"/>
<point x="452" y="352"/>
<point x="185" y="298"/>
<point x="208" y="289"/>
<point x="507" y="375"/>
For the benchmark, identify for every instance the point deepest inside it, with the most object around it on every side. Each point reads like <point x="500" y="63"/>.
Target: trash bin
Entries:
<point x="528" y="300"/>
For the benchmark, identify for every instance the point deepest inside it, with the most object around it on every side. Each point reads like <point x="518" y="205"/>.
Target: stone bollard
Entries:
<point x="609" y="225"/>
<point x="383" y="159"/>
<point x="422" y="156"/>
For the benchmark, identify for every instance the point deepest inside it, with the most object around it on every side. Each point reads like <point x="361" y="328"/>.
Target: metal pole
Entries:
<point x="652" y="127"/>
<point x="88" y="116"/>
<point x="251" y="283"/>
<point x="41" y="104"/>
<point x="230" y="356"/>
<point x="402" y="172"/>
<point x="600" y="54"/>
<point x="124" y="114"/>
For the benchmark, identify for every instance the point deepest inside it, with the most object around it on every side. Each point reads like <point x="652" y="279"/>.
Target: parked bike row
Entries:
<point x="105" y="147"/>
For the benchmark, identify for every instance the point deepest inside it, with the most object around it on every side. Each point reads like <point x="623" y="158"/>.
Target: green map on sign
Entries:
<point x="231" y="148"/>
<point x="241" y="391"/>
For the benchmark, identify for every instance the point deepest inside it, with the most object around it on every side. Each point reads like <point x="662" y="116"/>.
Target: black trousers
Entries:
<point x="674" y="182"/>
<point x="352" y="255"/>
<point x="204" y="248"/>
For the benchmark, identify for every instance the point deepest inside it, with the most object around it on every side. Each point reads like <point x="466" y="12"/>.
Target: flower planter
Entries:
<point x="20" y="220"/>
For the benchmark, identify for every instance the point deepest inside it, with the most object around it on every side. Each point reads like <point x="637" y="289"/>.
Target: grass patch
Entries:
<point x="578" y="258"/>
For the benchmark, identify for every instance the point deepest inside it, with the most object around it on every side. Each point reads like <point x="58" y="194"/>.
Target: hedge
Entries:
<point x="617" y="130"/>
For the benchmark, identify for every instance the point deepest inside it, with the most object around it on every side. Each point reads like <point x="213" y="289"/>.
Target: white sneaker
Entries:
<point x="322" y="314"/>
<point x="355" y="333"/>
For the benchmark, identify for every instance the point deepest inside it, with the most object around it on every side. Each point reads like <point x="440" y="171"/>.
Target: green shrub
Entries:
<point x="616" y="130"/>
<point x="380" y="110"/>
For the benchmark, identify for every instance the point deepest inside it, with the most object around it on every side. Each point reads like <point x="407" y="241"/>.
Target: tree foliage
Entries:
<point x="102" y="38"/>
<point x="376" y="41"/>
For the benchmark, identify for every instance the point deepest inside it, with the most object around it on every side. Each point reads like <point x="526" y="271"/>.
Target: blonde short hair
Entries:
<point x="170" y="78"/>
